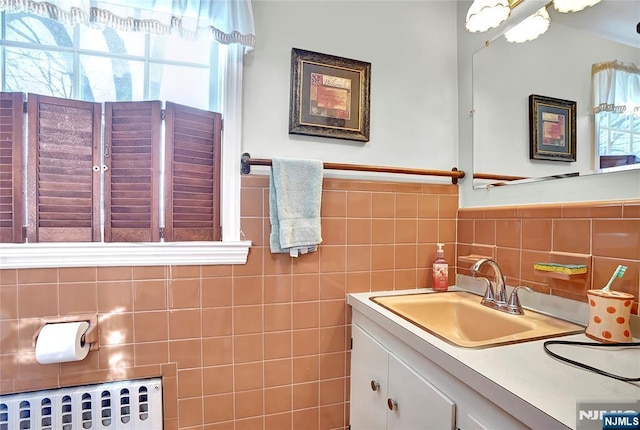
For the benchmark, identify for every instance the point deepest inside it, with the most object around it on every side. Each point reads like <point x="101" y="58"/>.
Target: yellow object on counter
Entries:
<point x="569" y="269"/>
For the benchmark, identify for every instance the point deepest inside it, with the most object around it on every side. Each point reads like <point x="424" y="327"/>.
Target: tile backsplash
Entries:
<point x="600" y="235"/>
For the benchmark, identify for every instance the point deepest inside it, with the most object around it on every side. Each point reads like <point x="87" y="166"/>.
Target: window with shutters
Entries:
<point x="101" y="166"/>
<point x="74" y="174"/>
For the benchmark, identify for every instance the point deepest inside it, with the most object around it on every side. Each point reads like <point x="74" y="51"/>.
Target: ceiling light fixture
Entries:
<point x="566" y="6"/>
<point x="486" y="14"/>
<point x="530" y="28"/>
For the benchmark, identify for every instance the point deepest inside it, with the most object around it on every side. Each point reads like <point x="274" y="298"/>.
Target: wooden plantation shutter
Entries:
<point x="63" y="173"/>
<point x="11" y="210"/>
<point x="192" y="173"/>
<point x="132" y="178"/>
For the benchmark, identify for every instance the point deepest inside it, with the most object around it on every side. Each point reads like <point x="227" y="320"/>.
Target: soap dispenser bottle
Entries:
<point x="440" y="271"/>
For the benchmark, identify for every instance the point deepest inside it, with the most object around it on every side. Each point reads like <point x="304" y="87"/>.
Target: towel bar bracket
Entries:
<point x="245" y="163"/>
<point x="454" y="179"/>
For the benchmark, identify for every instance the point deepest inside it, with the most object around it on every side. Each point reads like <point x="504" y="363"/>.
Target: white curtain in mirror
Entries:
<point x="616" y="88"/>
<point x="225" y="21"/>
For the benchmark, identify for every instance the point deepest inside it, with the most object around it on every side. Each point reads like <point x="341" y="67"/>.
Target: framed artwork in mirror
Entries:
<point x="329" y="96"/>
<point x="552" y="129"/>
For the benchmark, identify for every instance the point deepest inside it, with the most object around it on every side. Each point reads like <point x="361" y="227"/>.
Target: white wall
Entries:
<point x="619" y="185"/>
<point x="411" y="46"/>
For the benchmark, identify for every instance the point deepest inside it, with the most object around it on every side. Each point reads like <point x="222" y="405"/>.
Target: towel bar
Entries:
<point x="455" y="174"/>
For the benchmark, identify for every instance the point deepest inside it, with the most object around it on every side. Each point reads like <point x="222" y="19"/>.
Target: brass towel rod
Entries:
<point x="491" y="176"/>
<point x="454" y="173"/>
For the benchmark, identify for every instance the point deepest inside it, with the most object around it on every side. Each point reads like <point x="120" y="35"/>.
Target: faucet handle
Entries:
<point x="514" y="306"/>
<point x="489" y="296"/>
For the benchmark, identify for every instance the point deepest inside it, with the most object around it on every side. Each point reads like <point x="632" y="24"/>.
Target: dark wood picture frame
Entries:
<point x="552" y="129"/>
<point x="329" y="96"/>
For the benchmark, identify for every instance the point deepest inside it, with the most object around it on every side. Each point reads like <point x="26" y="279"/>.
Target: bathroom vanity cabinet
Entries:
<point x="402" y="390"/>
<point x="403" y="377"/>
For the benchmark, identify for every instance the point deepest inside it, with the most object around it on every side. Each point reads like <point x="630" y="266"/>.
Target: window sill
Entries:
<point x="46" y="255"/>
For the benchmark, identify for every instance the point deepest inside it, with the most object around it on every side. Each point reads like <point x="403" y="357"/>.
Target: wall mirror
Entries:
<point x="556" y="65"/>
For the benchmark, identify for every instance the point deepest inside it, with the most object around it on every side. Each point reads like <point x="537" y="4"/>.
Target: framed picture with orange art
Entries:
<point x="552" y="129"/>
<point x="329" y="96"/>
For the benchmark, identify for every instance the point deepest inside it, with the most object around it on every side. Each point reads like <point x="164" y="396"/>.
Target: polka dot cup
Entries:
<point x="609" y="313"/>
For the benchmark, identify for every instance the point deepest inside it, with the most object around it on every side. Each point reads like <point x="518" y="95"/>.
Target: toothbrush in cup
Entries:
<point x="618" y="273"/>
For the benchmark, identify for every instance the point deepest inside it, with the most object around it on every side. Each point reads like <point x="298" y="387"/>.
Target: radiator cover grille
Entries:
<point x="121" y="405"/>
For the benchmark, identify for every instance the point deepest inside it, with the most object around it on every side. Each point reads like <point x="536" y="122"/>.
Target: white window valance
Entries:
<point x="616" y="88"/>
<point x="227" y="21"/>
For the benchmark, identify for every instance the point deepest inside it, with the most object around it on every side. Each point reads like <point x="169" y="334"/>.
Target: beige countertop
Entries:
<point x="522" y="371"/>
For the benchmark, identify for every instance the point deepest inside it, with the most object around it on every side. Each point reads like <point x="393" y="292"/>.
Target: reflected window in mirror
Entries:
<point x="618" y="139"/>
<point x="616" y="105"/>
<point x="91" y="65"/>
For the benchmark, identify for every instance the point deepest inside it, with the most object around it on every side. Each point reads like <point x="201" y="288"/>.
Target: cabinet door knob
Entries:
<point x="392" y="404"/>
<point x="375" y="385"/>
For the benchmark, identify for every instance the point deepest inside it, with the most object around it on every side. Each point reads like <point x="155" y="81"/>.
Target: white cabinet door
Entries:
<point x="414" y="403"/>
<point x="369" y="365"/>
<point x="387" y="394"/>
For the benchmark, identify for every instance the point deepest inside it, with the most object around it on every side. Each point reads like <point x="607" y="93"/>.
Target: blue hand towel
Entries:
<point x="295" y="191"/>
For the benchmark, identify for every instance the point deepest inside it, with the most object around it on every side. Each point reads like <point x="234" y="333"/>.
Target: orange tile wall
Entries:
<point x="601" y="235"/>
<point x="261" y="345"/>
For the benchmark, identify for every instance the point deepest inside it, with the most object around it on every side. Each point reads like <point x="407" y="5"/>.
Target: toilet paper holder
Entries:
<point x="91" y="336"/>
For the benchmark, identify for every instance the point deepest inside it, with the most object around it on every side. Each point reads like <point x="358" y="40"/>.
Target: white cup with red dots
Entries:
<point x="609" y="313"/>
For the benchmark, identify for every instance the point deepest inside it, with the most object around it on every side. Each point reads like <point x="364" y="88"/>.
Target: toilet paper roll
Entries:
<point x="61" y="342"/>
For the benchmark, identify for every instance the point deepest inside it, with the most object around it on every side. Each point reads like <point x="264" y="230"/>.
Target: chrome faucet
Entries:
<point x="498" y="299"/>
